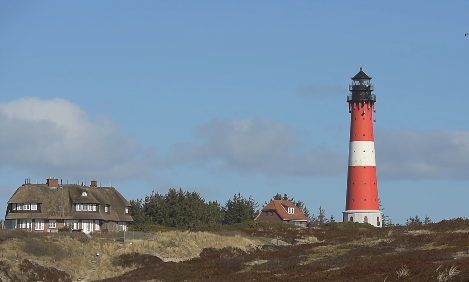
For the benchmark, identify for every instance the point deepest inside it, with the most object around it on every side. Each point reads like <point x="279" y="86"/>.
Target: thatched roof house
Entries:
<point x="50" y="206"/>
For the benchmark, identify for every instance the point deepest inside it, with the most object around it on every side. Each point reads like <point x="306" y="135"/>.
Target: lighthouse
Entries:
<point x="362" y="202"/>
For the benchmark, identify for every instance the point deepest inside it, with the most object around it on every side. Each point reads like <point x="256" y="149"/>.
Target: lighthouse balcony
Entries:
<point x="361" y="87"/>
<point x="363" y="96"/>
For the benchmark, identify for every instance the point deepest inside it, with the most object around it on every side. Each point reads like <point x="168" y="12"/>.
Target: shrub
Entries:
<point x="43" y="248"/>
<point x="136" y="259"/>
<point x="347" y="226"/>
<point x="65" y="229"/>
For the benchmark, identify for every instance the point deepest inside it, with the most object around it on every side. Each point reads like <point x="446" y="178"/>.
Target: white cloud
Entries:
<point x="254" y="146"/>
<point x="271" y="148"/>
<point x="411" y="154"/>
<point x="57" y="137"/>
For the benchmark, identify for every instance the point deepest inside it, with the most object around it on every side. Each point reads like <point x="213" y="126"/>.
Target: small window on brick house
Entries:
<point x="39" y="224"/>
<point x="291" y="210"/>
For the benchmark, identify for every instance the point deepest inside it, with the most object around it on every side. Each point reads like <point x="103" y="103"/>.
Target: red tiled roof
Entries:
<point x="282" y="206"/>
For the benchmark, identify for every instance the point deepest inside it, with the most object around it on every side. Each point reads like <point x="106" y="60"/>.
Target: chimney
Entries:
<point x="94" y="183"/>
<point x="52" y="182"/>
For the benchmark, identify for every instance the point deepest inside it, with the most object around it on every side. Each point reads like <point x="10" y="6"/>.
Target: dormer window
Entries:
<point x="107" y="208"/>
<point x="291" y="210"/>
<point x="126" y="210"/>
<point x="85" y="207"/>
<point x="25" y="207"/>
<point x="84" y="194"/>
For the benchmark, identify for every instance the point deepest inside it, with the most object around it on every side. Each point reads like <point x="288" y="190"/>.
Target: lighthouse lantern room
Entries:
<point x="362" y="202"/>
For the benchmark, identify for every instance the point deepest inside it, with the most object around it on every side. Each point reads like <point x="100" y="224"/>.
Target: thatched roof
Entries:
<point x="57" y="203"/>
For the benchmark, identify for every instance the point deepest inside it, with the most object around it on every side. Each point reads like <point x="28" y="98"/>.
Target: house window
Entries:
<point x="13" y="207"/>
<point x="87" y="226"/>
<point x="52" y="223"/>
<point x="73" y="224"/>
<point x="26" y="206"/>
<point x="19" y="207"/>
<point x="291" y="210"/>
<point x="34" y="206"/>
<point x="85" y="207"/>
<point x="26" y="223"/>
<point x="106" y="208"/>
<point x="39" y="224"/>
<point x="84" y="194"/>
<point x="122" y="226"/>
<point x="96" y="225"/>
<point x="126" y="210"/>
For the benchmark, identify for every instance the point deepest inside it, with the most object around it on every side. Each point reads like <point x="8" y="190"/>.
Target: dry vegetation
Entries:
<point x="76" y="254"/>
<point x="338" y="252"/>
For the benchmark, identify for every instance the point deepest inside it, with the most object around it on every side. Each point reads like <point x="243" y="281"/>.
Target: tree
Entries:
<point x="214" y="214"/>
<point x="178" y="208"/>
<point x="321" y="216"/>
<point x="238" y="209"/>
<point x="427" y="220"/>
<point x="413" y="221"/>
<point x="137" y="212"/>
<point x="386" y="220"/>
<point x="154" y="208"/>
<point x="301" y="205"/>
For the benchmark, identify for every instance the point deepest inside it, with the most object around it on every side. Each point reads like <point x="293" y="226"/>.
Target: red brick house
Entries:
<point x="283" y="211"/>
<point x="50" y="206"/>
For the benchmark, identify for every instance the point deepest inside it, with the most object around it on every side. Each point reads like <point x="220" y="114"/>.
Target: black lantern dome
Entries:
<point x="361" y="88"/>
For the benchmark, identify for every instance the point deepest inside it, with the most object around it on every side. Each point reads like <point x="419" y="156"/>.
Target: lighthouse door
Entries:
<point x="366" y="219"/>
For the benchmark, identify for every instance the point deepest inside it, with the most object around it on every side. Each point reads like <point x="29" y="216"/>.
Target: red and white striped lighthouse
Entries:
<point x="362" y="204"/>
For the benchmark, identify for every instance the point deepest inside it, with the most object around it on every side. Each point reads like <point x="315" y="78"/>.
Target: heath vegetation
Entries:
<point x="253" y="252"/>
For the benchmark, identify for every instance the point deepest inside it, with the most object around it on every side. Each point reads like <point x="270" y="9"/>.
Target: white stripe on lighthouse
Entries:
<point x="362" y="153"/>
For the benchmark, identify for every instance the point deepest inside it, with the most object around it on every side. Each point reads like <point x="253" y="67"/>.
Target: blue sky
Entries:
<point x="247" y="96"/>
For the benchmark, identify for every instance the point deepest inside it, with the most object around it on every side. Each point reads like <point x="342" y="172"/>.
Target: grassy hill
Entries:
<point x="261" y="252"/>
